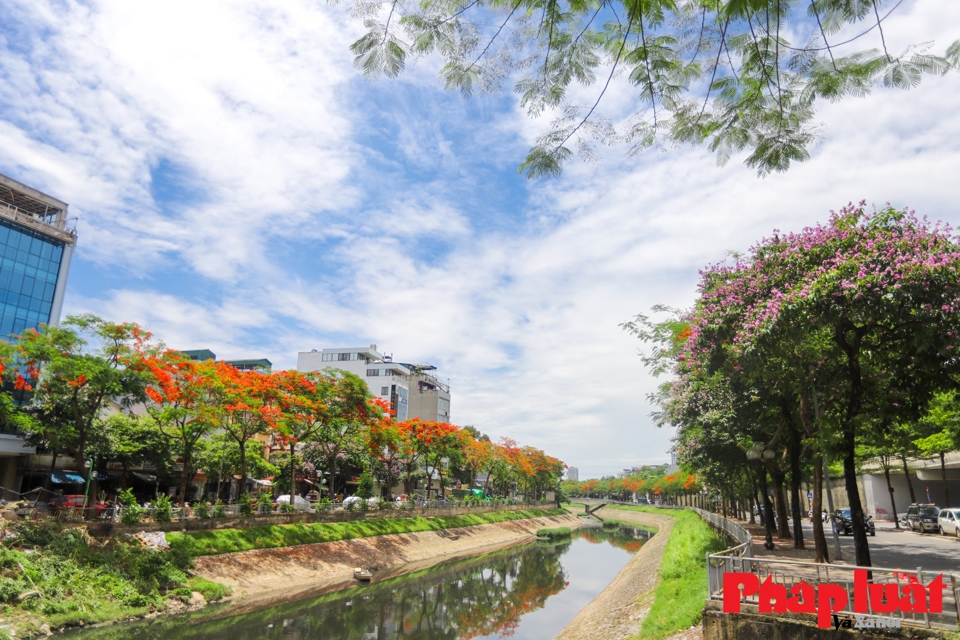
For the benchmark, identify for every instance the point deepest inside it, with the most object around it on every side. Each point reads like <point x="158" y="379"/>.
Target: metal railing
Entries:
<point x="790" y="572"/>
<point x="744" y="538"/>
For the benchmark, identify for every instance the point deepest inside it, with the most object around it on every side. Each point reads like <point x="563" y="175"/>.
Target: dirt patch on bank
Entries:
<point x="266" y="575"/>
<point x="618" y="610"/>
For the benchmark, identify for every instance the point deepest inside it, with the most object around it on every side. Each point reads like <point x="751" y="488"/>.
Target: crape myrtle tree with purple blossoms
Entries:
<point x="860" y="317"/>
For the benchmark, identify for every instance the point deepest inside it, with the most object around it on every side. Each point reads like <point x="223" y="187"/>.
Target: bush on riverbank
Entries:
<point x="217" y="541"/>
<point x="56" y="575"/>
<point x="679" y="597"/>
<point x="554" y="534"/>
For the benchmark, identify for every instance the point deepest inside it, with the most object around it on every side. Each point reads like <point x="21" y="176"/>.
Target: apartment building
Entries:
<point x="412" y="390"/>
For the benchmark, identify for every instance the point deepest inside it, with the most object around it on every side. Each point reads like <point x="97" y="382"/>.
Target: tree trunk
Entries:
<point x="853" y="496"/>
<point x="783" y="528"/>
<point x="752" y="502"/>
<point x="893" y="505"/>
<point x="293" y="475"/>
<point x="819" y="539"/>
<point x="795" y="487"/>
<point x="53" y="467"/>
<point x="906" y="472"/>
<point x="943" y="475"/>
<point x="243" y="467"/>
<point x="767" y="506"/>
<point x="184" y="479"/>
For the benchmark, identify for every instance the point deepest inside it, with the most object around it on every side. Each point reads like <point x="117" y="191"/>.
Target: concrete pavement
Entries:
<point x="892" y="549"/>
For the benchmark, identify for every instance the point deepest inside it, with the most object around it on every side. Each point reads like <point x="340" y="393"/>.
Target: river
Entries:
<point x="525" y="593"/>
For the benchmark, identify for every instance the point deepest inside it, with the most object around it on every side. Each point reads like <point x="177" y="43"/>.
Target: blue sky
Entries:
<point x="240" y="187"/>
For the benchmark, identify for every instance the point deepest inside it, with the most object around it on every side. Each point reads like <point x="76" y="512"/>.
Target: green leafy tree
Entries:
<point x="939" y="432"/>
<point x="732" y="74"/>
<point x="69" y="379"/>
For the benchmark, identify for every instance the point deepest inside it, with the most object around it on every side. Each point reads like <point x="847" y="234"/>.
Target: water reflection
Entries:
<point x="484" y="597"/>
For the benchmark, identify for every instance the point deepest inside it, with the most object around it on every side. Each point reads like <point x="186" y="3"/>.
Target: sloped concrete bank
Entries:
<point x="264" y="576"/>
<point x="618" y="611"/>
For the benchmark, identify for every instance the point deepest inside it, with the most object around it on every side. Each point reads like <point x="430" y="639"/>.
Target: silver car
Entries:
<point x="949" y="522"/>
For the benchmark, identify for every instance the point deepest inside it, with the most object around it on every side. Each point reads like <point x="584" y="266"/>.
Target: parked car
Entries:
<point x="75" y="501"/>
<point x="299" y="502"/>
<point x="844" y="524"/>
<point x="923" y="517"/>
<point x="949" y="522"/>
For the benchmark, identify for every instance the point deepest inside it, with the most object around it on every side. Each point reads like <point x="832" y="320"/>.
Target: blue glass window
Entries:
<point x="29" y="265"/>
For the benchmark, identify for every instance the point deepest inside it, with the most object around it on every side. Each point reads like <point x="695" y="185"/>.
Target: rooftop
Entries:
<point x="34" y="209"/>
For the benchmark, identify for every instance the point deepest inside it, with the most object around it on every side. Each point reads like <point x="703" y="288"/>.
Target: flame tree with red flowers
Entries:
<point x="250" y="401"/>
<point x="330" y="408"/>
<point x="184" y="403"/>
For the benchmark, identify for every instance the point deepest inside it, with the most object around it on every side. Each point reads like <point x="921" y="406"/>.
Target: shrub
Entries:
<point x="246" y="507"/>
<point x="201" y="510"/>
<point x="365" y="486"/>
<point x="554" y="534"/>
<point x="219" y="510"/>
<point x="131" y="510"/>
<point x="212" y="591"/>
<point x="163" y="509"/>
<point x="611" y="524"/>
<point x="286" y="507"/>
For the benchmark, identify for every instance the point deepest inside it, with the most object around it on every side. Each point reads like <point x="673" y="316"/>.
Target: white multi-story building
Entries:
<point x="411" y="390"/>
<point x="573" y="473"/>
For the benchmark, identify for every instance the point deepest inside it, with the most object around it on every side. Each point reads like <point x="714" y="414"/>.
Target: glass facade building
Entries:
<point x="35" y="250"/>
<point x="30" y="264"/>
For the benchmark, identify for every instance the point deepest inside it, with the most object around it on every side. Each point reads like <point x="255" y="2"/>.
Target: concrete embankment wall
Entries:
<point x="618" y="610"/>
<point x="267" y="575"/>
<point x="104" y="529"/>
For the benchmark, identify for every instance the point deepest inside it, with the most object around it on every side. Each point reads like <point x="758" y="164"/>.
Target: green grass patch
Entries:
<point x="679" y="597"/>
<point x="205" y="543"/>
<point x="210" y="590"/>
<point x="554" y="534"/>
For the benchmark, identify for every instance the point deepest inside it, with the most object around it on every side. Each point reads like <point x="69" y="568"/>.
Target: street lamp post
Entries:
<point x="759" y="454"/>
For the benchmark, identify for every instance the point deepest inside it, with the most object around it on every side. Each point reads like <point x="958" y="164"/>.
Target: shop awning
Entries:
<point x="146" y="477"/>
<point x="66" y="477"/>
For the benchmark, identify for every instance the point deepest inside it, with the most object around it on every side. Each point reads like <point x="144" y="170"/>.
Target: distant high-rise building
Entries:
<point x="573" y="473"/>
<point x="35" y="251"/>
<point x="257" y="364"/>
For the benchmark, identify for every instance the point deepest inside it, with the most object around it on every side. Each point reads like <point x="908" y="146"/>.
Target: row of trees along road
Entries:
<point x="670" y="487"/>
<point x="77" y="383"/>
<point x="839" y="341"/>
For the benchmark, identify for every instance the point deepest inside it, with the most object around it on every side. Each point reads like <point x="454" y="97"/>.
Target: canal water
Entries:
<point x="525" y="593"/>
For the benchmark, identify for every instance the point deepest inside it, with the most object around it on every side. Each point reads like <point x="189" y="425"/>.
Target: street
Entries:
<point x="892" y="549"/>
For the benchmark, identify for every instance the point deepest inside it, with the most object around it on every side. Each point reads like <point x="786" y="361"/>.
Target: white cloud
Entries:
<point x="313" y="215"/>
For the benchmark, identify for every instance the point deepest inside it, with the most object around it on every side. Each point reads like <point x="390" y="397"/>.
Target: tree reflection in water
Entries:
<point x="481" y="597"/>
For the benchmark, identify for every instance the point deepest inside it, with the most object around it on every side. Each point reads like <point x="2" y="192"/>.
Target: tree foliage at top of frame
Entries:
<point x="731" y="74"/>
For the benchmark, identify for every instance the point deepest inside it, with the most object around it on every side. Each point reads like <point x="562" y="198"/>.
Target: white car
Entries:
<point x="949" y="522"/>
<point x="299" y="502"/>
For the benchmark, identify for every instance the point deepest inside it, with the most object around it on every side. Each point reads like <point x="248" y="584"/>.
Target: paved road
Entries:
<point x="892" y="549"/>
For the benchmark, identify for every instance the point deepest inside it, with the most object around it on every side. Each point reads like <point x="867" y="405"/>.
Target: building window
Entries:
<point x="373" y="372"/>
<point x="343" y="356"/>
<point x="329" y="357"/>
<point x="29" y="265"/>
<point x="384" y="391"/>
